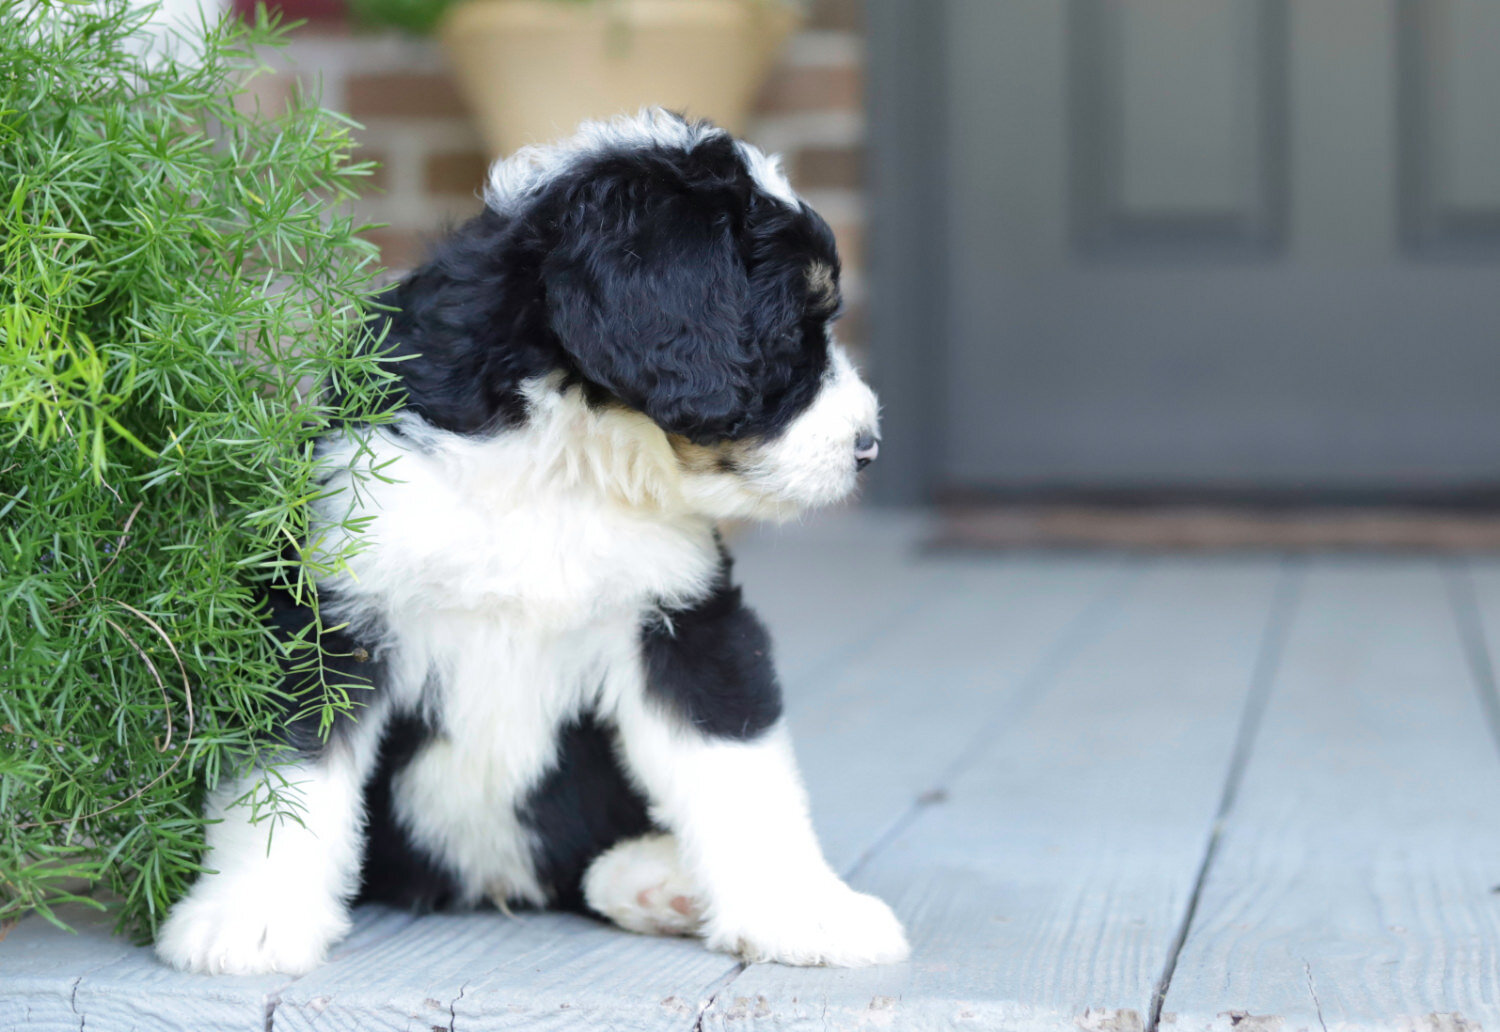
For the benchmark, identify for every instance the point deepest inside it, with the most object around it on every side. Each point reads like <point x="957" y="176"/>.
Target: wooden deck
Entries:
<point x="1267" y="786"/>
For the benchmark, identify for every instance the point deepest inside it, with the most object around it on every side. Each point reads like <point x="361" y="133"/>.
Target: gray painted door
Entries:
<point x="1220" y="244"/>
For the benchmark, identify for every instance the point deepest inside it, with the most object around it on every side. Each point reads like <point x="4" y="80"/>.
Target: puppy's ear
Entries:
<point x="647" y="293"/>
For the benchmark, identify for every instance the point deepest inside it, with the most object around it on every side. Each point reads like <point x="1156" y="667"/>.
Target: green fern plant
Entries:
<point x="176" y="272"/>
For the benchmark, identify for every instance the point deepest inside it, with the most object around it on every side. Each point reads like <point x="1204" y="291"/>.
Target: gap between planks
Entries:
<point x="1464" y="598"/>
<point x="1257" y="699"/>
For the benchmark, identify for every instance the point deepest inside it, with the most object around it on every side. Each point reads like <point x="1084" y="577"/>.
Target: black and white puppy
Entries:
<point x="570" y="704"/>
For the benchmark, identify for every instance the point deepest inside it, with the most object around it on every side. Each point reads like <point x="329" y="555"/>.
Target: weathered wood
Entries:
<point x="828" y="589"/>
<point x="1044" y="885"/>
<point x="487" y="970"/>
<point x="876" y="736"/>
<point x="1352" y="887"/>
<point x="872" y="736"/>
<point x="41" y="967"/>
<point x="51" y="979"/>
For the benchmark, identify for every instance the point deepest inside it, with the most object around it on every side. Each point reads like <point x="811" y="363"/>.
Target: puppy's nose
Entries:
<point x="865" y="449"/>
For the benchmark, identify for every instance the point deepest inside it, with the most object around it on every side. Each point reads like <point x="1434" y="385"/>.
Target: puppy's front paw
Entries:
<point x="225" y="933"/>
<point x="826" y="923"/>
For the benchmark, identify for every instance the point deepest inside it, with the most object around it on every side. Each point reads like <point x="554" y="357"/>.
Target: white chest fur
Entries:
<point x="555" y="532"/>
<point x="511" y="576"/>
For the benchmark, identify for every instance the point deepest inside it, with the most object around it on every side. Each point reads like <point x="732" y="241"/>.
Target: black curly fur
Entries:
<point x="657" y="278"/>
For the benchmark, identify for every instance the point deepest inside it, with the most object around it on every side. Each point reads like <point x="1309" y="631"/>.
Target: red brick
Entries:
<point x="402" y="95"/>
<point x="269" y="93"/>
<point x="812" y="88"/>
<point x="455" y="173"/>
<point x="314" y="12"/>
<point x="399" y="248"/>
<point x="848" y="15"/>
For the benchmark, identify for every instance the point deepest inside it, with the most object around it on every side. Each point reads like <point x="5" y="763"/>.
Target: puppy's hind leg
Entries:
<point x="642" y="886"/>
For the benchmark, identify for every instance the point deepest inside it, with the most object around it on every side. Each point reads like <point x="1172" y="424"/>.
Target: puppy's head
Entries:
<point x="684" y="280"/>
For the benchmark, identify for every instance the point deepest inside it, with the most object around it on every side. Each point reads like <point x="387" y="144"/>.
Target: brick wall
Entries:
<point x="416" y="126"/>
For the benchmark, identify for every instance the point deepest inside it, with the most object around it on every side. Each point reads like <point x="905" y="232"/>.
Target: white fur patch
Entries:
<point x="278" y="894"/>
<point x="513" y="180"/>
<point x="576" y="516"/>
<point x="811" y="463"/>
<point x="640" y="884"/>
<point x="739" y="814"/>
<point x="766" y="170"/>
<point x="505" y="690"/>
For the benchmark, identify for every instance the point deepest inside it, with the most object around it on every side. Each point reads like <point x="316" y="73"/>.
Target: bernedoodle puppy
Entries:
<point x="569" y="705"/>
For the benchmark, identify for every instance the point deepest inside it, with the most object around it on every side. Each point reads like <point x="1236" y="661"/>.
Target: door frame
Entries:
<point x="906" y="254"/>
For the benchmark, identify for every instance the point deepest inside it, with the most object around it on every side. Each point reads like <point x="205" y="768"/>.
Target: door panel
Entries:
<point x="1450" y="135"/>
<point x="1177" y="126"/>
<point x="1183" y="104"/>
<point x="1243" y="244"/>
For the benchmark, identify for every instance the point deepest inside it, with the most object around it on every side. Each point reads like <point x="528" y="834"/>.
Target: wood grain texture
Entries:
<point x="1045" y="880"/>
<point x="878" y="736"/>
<point x="56" y="980"/>
<point x="828" y="588"/>
<point x="1352" y="887"/>
<point x="489" y="971"/>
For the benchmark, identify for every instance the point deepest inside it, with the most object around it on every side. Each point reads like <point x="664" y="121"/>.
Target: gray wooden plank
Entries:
<point x="1046" y="888"/>
<point x="41" y="965"/>
<point x="884" y="729"/>
<point x="870" y="740"/>
<point x="90" y="978"/>
<point x="833" y="584"/>
<point x="51" y="979"/>
<point x="1476" y="589"/>
<point x="1352" y="885"/>
<point x="488" y="970"/>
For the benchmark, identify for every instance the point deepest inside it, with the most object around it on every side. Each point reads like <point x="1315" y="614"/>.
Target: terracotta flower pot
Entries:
<point x="533" y="69"/>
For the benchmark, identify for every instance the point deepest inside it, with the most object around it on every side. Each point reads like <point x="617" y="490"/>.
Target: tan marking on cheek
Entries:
<point x="727" y="457"/>
<point x="693" y="458"/>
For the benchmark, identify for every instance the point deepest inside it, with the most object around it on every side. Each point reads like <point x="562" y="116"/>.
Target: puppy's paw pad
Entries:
<point x="217" y="935"/>
<point x="640" y="886"/>
<point x="834" y="926"/>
